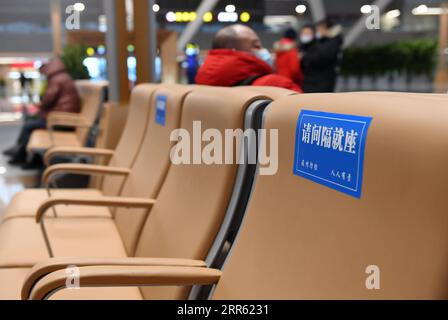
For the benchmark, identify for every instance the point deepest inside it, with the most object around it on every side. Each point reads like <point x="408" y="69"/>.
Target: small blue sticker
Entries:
<point x="161" y="110"/>
<point x="329" y="149"/>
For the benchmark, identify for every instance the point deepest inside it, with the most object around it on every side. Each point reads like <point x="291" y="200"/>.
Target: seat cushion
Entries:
<point x="41" y="140"/>
<point x="12" y="279"/>
<point x="87" y="237"/>
<point x="11" y="282"/>
<point x="22" y="243"/>
<point x="25" y="204"/>
<point x="124" y="293"/>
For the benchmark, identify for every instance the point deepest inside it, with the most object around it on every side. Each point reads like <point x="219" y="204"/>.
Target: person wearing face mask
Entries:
<point x="321" y="47"/>
<point x="307" y="36"/>
<point x="238" y="58"/>
<point x="287" y="57"/>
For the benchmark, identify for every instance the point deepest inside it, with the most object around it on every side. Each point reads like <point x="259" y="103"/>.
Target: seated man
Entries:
<point x="238" y="59"/>
<point x="60" y="95"/>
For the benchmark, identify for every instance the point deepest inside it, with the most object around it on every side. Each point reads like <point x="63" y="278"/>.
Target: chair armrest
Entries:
<point x="122" y="202"/>
<point x="58" y="114"/>
<point x="40" y="270"/>
<point x="125" y="276"/>
<point x="87" y="169"/>
<point x="66" y="119"/>
<point x="55" y="151"/>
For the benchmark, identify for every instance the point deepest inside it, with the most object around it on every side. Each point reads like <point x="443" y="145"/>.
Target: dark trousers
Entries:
<point x="28" y="127"/>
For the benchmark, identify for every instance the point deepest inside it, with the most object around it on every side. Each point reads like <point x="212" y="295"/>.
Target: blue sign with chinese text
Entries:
<point x="161" y="110"/>
<point x="329" y="149"/>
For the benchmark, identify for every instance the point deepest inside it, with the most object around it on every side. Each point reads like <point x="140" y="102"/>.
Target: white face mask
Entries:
<point x="264" y="55"/>
<point x="306" y="39"/>
<point x="318" y="35"/>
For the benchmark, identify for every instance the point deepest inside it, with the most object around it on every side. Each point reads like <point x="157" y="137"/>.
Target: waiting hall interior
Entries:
<point x="223" y="150"/>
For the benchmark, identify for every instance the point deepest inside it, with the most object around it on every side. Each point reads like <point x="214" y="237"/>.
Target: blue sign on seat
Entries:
<point x="161" y="110"/>
<point x="329" y="149"/>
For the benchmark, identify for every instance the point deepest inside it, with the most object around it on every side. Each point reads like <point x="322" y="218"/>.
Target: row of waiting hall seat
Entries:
<point x="158" y="230"/>
<point x="84" y="124"/>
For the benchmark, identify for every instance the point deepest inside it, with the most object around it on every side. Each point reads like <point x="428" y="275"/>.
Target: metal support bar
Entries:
<point x="317" y="10"/>
<point x="193" y="27"/>
<point x="152" y="32"/>
<point x="56" y="23"/>
<point x="145" y="32"/>
<point x="116" y="42"/>
<point x="360" y="26"/>
<point x="112" y="52"/>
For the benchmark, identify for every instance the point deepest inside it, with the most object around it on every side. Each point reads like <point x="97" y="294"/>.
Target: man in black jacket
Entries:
<point x="321" y="58"/>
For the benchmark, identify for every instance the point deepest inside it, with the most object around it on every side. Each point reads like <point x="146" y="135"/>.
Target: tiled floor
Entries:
<point x="12" y="179"/>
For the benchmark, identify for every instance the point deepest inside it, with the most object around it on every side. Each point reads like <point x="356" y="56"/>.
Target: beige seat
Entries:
<point x="81" y="235"/>
<point x="328" y="244"/>
<point x="25" y="203"/>
<point x="405" y="94"/>
<point x="92" y="97"/>
<point x="42" y="139"/>
<point x="271" y="92"/>
<point x="303" y="240"/>
<point x="182" y="222"/>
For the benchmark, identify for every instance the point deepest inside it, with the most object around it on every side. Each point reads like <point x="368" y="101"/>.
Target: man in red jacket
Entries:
<point x="238" y="58"/>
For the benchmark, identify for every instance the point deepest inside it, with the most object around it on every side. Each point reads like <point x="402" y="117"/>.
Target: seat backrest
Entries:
<point x="193" y="200"/>
<point x="152" y="162"/>
<point x="404" y="94"/>
<point x="304" y="240"/>
<point x="132" y="136"/>
<point x="92" y="96"/>
<point x="271" y="92"/>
